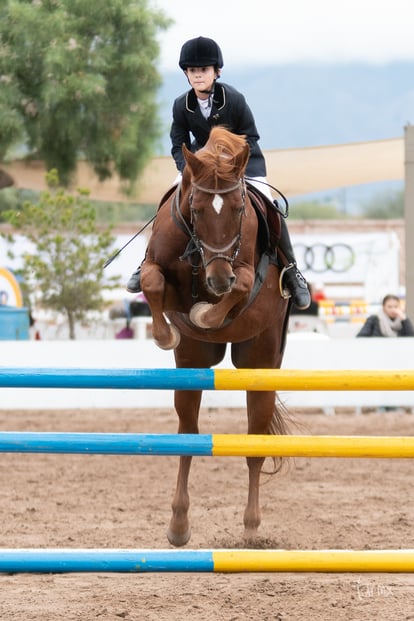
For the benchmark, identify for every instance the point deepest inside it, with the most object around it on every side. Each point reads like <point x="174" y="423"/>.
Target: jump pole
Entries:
<point x="206" y="379"/>
<point x="232" y="445"/>
<point x="226" y="561"/>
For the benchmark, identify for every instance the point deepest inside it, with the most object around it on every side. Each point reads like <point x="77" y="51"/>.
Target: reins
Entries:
<point x="283" y="212"/>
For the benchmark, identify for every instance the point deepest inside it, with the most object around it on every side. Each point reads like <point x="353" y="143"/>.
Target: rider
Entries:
<point x="207" y="104"/>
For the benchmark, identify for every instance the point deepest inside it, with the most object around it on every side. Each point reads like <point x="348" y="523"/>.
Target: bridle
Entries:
<point x="196" y="245"/>
<point x="200" y="244"/>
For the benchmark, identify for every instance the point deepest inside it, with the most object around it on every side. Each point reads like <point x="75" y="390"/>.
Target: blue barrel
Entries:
<point x="14" y="323"/>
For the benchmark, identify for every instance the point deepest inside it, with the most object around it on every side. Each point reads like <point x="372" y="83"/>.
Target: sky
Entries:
<point x="252" y="32"/>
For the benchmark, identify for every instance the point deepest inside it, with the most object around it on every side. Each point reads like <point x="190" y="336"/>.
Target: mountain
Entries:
<point x="301" y="105"/>
<point x="304" y="105"/>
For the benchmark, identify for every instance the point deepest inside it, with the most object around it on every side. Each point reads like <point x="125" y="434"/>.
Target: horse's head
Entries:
<point x="217" y="204"/>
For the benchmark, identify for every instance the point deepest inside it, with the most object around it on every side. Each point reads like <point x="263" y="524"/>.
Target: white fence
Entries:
<point x="303" y="351"/>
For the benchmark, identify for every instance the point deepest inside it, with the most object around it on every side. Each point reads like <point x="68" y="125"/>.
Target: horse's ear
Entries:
<point x="240" y="161"/>
<point x="192" y="161"/>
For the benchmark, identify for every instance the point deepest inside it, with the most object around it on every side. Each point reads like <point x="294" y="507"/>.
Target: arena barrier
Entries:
<point x="207" y="379"/>
<point x="223" y="445"/>
<point x="226" y="561"/>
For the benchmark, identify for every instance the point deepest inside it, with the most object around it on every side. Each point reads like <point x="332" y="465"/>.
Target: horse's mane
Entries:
<point x="219" y="153"/>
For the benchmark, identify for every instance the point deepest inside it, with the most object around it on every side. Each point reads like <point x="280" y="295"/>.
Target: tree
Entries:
<point x="68" y="252"/>
<point x="313" y="210"/>
<point x="78" y="79"/>
<point x="385" y="206"/>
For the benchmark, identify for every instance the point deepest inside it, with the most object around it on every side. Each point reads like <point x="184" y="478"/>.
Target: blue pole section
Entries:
<point x="75" y="560"/>
<point x="162" y="379"/>
<point x="106" y="443"/>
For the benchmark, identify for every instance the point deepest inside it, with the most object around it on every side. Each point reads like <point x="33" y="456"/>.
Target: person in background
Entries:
<point x="390" y="321"/>
<point x="204" y="106"/>
<point x="318" y="292"/>
<point x="126" y="333"/>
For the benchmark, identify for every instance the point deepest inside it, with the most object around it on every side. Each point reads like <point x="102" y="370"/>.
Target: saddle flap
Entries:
<point x="268" y="216"/>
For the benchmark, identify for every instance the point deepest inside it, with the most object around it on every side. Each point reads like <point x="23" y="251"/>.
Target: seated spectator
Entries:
<point x="390" y="321"/>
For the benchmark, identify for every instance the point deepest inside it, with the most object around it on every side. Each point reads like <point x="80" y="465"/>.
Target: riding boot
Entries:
<point x="134" y="283"/>
<point x="292" y="278"/>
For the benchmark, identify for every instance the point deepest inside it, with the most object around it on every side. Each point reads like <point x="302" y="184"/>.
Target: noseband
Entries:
<point x="219" y="253"/>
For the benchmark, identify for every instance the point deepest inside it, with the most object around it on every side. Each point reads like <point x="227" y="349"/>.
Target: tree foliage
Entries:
<point x="78" y="78"/>
<point x="312" y="210"/>
<point x="65" y="265"/>
<point x="388" y="205"/>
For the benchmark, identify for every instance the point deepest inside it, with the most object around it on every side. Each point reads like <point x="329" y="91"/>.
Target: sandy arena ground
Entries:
<point x="124" y="501"/>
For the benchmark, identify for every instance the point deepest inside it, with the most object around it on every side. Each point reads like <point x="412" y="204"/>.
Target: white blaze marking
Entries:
<point x="217" y="203"/>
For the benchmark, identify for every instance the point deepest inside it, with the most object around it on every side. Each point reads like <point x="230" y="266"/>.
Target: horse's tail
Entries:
<point x="279" y="426"/>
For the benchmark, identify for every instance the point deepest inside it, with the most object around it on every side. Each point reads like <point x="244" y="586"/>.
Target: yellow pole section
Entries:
<point x="242" y="445"/>
<point x="291" y="379"/>
<point x="314" y="560"/>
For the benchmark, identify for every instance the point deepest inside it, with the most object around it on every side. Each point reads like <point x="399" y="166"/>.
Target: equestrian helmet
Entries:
<point x="200" y="52"/>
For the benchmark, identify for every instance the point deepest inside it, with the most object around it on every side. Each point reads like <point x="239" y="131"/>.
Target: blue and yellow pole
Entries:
<point x="231" y="445"/>
<point x="226" y="561"/>
<point x="206" y="379"/>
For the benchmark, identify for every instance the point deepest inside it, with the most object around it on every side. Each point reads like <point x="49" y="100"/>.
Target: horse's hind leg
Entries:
<point x="187" y="404"/>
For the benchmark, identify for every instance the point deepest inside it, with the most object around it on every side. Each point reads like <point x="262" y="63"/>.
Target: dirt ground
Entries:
<point x="124" y="502"/>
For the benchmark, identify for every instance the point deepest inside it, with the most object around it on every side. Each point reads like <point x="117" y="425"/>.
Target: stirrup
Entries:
<point x="284" y="292"/>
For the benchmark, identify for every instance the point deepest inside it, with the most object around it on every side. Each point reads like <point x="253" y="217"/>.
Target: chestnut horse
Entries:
<point x="207" y="271"/>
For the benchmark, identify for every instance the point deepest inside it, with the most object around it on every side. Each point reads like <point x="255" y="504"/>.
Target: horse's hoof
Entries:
<point x="174" y="340"/>
<point x="178" y="540"/>
<point x="198" y="312"/>
<point x="250" y="535"/>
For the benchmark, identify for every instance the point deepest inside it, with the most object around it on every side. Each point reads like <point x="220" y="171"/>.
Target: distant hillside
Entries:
<point x="308" y="105"/>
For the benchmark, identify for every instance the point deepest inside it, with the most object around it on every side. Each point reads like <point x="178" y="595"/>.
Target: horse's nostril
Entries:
<point x="220" y="286"/>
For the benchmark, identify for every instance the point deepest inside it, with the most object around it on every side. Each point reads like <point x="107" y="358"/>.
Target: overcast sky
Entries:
<point x="268" y="31"/>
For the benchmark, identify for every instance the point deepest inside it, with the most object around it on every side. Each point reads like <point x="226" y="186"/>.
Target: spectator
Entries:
<point x="126" y="333"/>
<point x="390" y="321"/>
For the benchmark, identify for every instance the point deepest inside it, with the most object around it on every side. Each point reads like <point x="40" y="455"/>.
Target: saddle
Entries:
<point x="268" y="217"/>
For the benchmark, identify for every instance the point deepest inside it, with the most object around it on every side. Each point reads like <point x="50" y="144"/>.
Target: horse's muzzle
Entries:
<point x="220" y="284"/>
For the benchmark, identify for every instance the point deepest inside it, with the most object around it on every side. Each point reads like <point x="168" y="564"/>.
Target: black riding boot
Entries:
<point x="134" y="283"/>
<point x="292" y="279"/>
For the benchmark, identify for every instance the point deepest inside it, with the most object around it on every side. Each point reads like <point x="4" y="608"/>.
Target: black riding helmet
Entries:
<point x="200" y="52"/>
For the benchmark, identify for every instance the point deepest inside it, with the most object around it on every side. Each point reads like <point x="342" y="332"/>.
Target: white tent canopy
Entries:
<point x="293" y="171"/>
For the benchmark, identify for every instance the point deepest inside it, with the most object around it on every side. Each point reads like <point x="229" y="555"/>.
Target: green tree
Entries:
<point x="66" y="263"/>
<point x="78" y="79"/>
<point x="312" y="210"/>
<point x="385" y="206"/>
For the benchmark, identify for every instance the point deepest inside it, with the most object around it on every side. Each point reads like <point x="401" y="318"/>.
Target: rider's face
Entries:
<point x="201" y="79"/>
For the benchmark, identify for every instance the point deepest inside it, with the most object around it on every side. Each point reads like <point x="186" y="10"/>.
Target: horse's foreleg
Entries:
<point x="187" y="404"/>
<point x="179" y="530"/>
<point x="205" y="315"/>
<point x="252" y="515"/>
<point x="260" y="407"/>
<point x="165" y="335"/>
